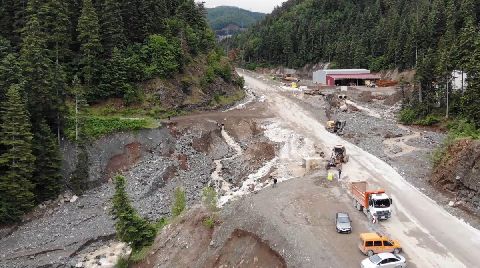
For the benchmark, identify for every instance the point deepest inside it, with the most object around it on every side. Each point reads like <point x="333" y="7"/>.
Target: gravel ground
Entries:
<point x="369" y="132"/>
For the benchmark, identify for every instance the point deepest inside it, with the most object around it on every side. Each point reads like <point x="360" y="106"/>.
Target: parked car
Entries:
<point x="384" y="260"/>
<point x="343" y="223"/>
<point x="372" y="243"/>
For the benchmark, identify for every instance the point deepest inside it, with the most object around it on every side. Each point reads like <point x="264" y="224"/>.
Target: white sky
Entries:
<point x="265" y="6"/>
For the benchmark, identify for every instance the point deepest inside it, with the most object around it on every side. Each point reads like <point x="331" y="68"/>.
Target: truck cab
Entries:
<point x="379" y="206"/>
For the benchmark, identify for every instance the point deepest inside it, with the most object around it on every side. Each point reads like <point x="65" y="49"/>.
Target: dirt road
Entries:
<point x="429" y="235"/>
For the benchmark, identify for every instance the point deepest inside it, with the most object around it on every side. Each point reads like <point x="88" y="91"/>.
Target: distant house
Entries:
<point x="344" y="77"/>
<point x="459" y="80"/>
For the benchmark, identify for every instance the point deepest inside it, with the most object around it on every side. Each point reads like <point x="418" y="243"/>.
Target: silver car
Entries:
<point x="343" y="223"/>
<point x="384" y="260"/>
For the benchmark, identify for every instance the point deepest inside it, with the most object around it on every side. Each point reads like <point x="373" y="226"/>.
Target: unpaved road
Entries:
<point x="430" y="236"/>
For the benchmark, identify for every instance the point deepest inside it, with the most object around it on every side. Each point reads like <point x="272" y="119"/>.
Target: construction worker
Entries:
<point x="330" y="176"/>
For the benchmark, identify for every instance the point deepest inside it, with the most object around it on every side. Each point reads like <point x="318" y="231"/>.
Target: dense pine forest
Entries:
<point x="57" y="57"/>
<point x="432" y="36"/>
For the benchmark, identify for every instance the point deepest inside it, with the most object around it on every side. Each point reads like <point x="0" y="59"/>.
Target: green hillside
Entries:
<point x="82" y="69"/>
<point x="220" y="17"/>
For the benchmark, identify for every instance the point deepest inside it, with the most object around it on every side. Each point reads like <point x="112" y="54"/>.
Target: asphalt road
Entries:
<point x="430" y="236"/>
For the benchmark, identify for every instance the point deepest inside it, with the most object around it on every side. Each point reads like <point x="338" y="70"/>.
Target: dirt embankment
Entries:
<point x="459" y="174"/>
<point x="189" y="243"/>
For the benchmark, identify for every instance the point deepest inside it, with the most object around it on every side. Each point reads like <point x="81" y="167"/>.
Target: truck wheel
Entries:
<point x="370" y="253"/>
<point x="397" y="250"/>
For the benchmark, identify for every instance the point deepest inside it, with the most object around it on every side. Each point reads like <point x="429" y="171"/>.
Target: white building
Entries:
<point x="459" y="80"/>
<point x="320" y="76"/>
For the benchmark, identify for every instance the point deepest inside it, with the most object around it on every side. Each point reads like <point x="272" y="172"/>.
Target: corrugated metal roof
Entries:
<point x="353" y="76"/>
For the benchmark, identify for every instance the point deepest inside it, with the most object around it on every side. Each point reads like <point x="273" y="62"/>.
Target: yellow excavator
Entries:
<point x="336" y="126"/>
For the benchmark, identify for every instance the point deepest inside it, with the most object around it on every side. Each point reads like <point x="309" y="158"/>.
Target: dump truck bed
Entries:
<point x="359" y="190"/>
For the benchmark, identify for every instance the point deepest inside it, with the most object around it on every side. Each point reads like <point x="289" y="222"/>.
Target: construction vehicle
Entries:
<point x="336" y="126"/>
<point x="339" y="156"/>
<point x="375" y="204"/>
<point x="290" y="78"/>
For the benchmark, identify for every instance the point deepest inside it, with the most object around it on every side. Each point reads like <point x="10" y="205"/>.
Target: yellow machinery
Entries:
<point x="336" y="126"/>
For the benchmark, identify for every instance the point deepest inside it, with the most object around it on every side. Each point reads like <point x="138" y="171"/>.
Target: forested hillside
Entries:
<point x="222" y="16"/>
<point x="433" y="36"/>
<point x="57" y="58"/>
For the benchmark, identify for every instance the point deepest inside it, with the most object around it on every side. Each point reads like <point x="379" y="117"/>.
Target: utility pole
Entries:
<point x="450" y="78"/>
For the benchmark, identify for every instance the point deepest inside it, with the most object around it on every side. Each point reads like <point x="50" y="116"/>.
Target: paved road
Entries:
<point x="429" y="235"/>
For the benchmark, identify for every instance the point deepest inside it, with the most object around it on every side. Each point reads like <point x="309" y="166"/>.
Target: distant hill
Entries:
<point x="227" y="19"/>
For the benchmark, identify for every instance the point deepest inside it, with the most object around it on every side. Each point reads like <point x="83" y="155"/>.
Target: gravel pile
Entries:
<point x="369" y="132"/>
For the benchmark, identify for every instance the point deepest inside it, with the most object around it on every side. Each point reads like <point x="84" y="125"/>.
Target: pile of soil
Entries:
<point x="459" y="173"/>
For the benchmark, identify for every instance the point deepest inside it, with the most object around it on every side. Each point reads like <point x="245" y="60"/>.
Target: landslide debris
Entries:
<point x="458" y="174"/>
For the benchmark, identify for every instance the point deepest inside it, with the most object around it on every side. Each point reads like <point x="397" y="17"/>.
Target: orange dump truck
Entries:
<point x="374" y="203"/>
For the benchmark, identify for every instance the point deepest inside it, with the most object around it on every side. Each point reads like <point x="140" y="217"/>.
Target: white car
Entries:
<point x="384" y="260"/>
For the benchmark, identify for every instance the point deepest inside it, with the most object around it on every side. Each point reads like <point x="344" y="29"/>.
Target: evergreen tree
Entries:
<point x="112" y="26"/>
<point x="131" y="227"/>
<point x="134" y="20"/>
<point x="89" y="38"/>
<point x="37" y="70"/>
<point x="16" y="160"/>
<point x="471" y="103"/>
<point x="79" y="178"/>
<point x="55" y="23"/>
<point x="10" y="71"/>
<point x="46" y="179"/>
<point x="114" y="78"/>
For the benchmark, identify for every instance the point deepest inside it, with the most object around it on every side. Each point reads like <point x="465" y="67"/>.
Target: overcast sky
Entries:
<point x="265" y="6"/>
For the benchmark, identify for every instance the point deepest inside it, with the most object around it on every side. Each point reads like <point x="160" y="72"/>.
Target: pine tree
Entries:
<point x="134" y="20"/>
<point x="114" y="78"/>
<point x="10" y="71"/>
<point x="16" y="160"/>
<point x="79" y="178"/>
<point x="37" y="69"/>
<point x="90" y="47"/>
<point x="46" y="176"/>
<point x="112" y="26"/>
<point x="471" y="102"/>
<point x="55" y="23"/>
<point x="130" y="226"/>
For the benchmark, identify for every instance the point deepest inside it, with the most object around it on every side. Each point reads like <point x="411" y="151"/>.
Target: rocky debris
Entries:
<point x="458" y="174"/>
<point x="116" y="152"/>
<point x="369" y="132"/>
<point x="104" y="257"/>
<point x="64" y="230"/>
<point x="428" y="139"/>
